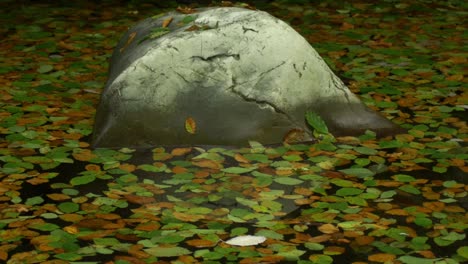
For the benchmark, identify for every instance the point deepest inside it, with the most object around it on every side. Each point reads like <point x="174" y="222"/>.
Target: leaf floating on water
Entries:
<point x="247" y="240"/>
<point x="190" y="125"/>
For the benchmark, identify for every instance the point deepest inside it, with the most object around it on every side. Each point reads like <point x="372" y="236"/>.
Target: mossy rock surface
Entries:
<point x="231" y="75"/>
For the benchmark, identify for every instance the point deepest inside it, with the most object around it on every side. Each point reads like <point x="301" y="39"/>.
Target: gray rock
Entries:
<point x="239" y="74"/>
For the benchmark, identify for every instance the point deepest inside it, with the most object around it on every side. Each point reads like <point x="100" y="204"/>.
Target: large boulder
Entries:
<point x="237" y="74"/>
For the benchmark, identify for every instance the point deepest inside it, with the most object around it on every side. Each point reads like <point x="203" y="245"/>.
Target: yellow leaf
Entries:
<point x="190" y="125"/>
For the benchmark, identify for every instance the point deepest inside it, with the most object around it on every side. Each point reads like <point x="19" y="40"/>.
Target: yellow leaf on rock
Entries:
<point x="166" y="22"/>
<point x="190" y="125"/>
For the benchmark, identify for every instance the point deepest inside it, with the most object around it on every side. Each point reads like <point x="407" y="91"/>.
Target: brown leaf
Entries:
<point x="179" y="169"/>
<point x="166" y="22"/>
<point x="335" y="250"/>
<point x="84" y="155"/>
<point x="201" y="243"/>
<point x="139" y="199"/>
<point x="193" y="28"/>
<point x="129" y="40"/>
<point x="239" y="158"/>
<point x="364" y="240"/>
<point x="206" y="163"/>
<point x="180" y="151"/>
<point x="328" y="229"/>
<point x="397" y="212"/>
<point x="381" y="257"/>
<point x="58" y="196"/>
<point x="294" y="135"/>
<point x="127" y="167"/>
<point x="319" y="239"/>
<point x="186" y="10"/>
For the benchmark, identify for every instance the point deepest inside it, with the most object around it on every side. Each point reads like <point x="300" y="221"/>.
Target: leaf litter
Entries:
<point x="338" y="200"/>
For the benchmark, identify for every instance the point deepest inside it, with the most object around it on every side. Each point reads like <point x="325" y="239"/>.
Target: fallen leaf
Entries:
<point x="166" y="22"/>
<point x="190" y="125"/>
<point x="247" y="240"/>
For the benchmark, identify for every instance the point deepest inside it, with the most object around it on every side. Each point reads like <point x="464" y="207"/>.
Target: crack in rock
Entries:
<point x="217" y="56"/>
<point x="182" y="77"/>
<point x="249" y="29"/>
<point x="339" y="85"/>
<point x="257" y="101"/>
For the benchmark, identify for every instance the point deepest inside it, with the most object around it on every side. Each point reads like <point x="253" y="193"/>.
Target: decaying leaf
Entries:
<point x="167" y="21"/>
<point x="190" y="125"/>
<point x="247" y="240"/>
<point x="131" y="37"/>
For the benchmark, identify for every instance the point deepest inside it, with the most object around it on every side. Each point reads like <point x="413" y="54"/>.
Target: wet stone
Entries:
<point x="237" y="74"/>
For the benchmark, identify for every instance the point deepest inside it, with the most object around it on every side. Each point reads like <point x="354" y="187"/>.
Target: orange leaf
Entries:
<point x="180" y="151"/>
<point x="166" y="22"/>
<point x="294" y="135"/>
<point x="58" y="196"/>
<point x="139" y="199"/>
<point x="127" y="167"/>
<point x="334" y="250"/>
<point x="328" y="229"/>
<point x="190" y="125"/>
<point x="205" y="163"/>
<point x="397" y="212"/>
<point x="84" y="155"/>
<point x="382" y="257"/>
<point x="71" y="229"/>
<point x="364" y="240"/>
<point x="178" y="169"/>
<point x="92" y="167"/>
<point x="129" y="40"/>
<point x="239" y="158"/>
<point x="321" y="238"/>
<point x="201" y="243"/>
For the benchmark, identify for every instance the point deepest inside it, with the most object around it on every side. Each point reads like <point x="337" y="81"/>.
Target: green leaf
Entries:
<point x="34" y="200"/>
<point x="69" y="256"/>
<point x="238" y="170"/>
<point x="348" y="191"/>
<point x="81" y="180"/>
<point x="416" y="260"/>
<point x="151" y="168"/>
<point x="423" y="221"/>
<point x="316" y="122"/>
<point x="463" y="251"/>
<point x="449" y="239"/>
<point x="45" y="227"/>
<point x="358" y="172"/>
<point x="106" y="241"/>
<point x="314" y="246"/>
<point x="188" y="19"/>
<point x="287" y="181"/>
<point x="68" y="207"/>
<point x="45" y="68"/>
<point x="410" y="189"/>
<point x="270" y="234"/>
<point x="365" y="150"/>
<point x="403" y="178"/>
<point x="167" y="251"/>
